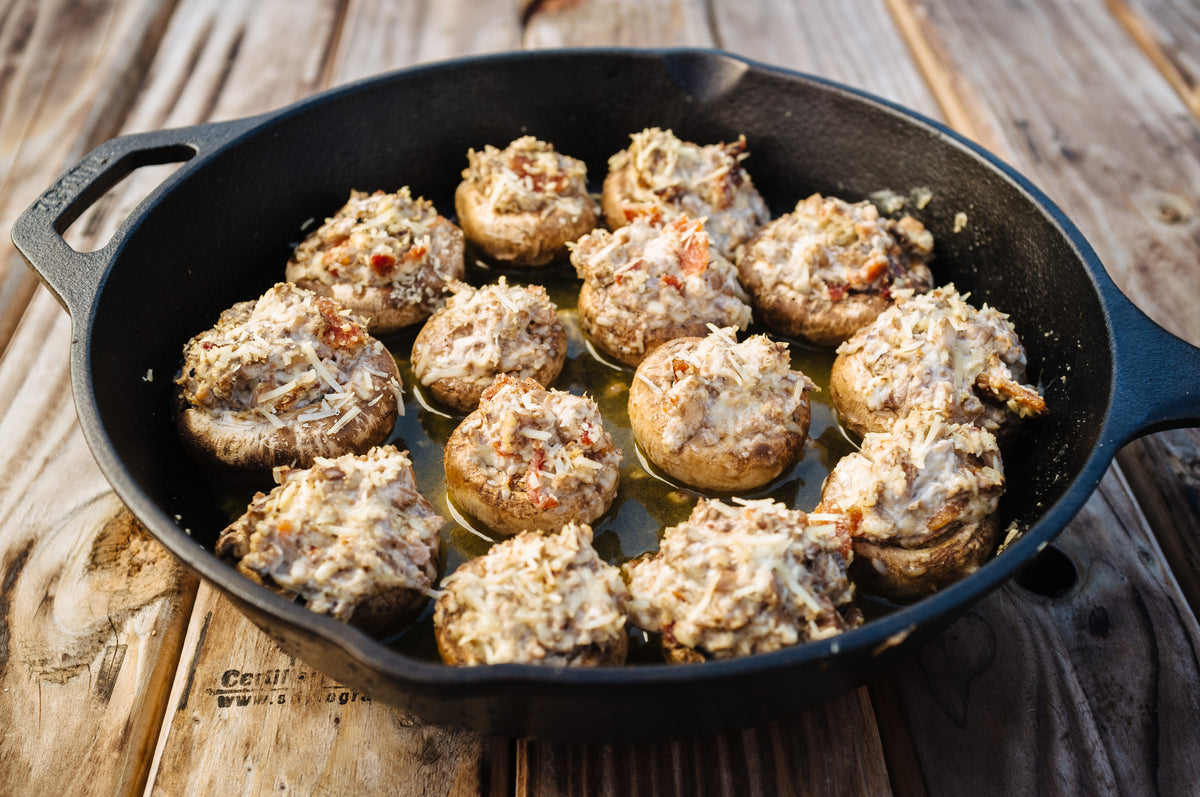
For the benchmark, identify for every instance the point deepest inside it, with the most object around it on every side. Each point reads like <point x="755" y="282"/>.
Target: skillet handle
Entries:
<point x="72" y="276"/>
<point x="1156" y="378"/>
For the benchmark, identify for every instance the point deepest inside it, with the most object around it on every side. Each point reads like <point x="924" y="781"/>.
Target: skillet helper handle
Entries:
<point x="72" y="276"/>
<point x="1157" y="377"/>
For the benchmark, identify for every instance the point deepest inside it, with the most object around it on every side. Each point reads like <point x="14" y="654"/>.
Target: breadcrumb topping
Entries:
<point x="830" y="247"/>
<point x="545" y="443"/>
<point x="912" y="485"/>
<point x="735" y="580"/>
<point x="702" y="182"/>
<point x="935" y="350"/>
<point x="496" y="329"/>
<point x="383" y="240"/>
<point x="289" y="356"/>
<point x="649" y="276"/>
<point x="341" y="532"/>
<point x="717" y="389"/>
<point x="528" y="176"/>
<point x="537" y="598"/>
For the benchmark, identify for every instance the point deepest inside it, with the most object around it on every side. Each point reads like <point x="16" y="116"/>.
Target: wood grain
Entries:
<point x="832" y="749"/>
<point x="245" y="718"/>
<point x="1102" y="676"/>
<point x="65" y="73"/>
<point x="1169" y="34"/>
<point x="1103" y="688"/>
<point x="92" y="610"/>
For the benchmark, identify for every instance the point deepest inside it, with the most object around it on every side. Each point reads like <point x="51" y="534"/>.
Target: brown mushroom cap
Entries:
<point x="905" y="573"/>
<point x="733" y="464"/>
<point x="259" y="389"/>
<point x="461" y="393"/>
<point x="247" y="448"/>
<point x="507" y="508"/>
<point x="391" y="272"/>
<point x="529" y="238"/>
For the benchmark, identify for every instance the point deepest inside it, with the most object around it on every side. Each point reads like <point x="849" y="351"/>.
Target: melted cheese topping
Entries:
<point x="528" y="176"/>
<point x="497" y="329"/>
<point x="341" y="532"/>
<point x="829" y="247"/>
<point x="545" y="443"/>
<point x="935" y="350"/>
<point x="381" y="240"/>
<point x="648" y="276"/>
<point x="289" y="356"/>
<point x="735" y="580"/>
<point x="536" y="598"/>
<point x="680" y="178"/>
<point x="718" y="392"/>
<point x="909" y="486"/>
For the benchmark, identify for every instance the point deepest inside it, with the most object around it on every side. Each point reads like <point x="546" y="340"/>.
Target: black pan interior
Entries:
<point x="224" y="231"/>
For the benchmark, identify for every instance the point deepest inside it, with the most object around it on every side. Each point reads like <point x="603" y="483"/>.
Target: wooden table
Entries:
<point x="121" y="674"/>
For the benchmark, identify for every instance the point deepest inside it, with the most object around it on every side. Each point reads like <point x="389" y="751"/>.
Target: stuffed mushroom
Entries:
<point x="531" y="458"/>
<point x="919" y="502"/>
<point x="718" y="414"/>
<point x="733" y="580"/>
<point x="934" y="350"/>
<point x="524" y="203"/>
<point x="829" y="267"/>
<point x="386" y="256"/>
<point x="537" y="598"/>
<point x="351" y="537"/>
<point x="659" y="173"/>
<point x="482" y="333"/>
<point x="648" y="283"/>
<point x="281" y="380"/>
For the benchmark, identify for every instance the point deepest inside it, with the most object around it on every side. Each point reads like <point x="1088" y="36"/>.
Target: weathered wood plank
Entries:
<point x="1101" y="680"/>
<point x="92" y="611"/>
<point x="1169" y="33"/>
<point x="832" y="749"/>
<point x="1101" y="698"/>
<point x="1066" y="96"/>
<point x="65" y="69"/>
<point x="246" y="718"/>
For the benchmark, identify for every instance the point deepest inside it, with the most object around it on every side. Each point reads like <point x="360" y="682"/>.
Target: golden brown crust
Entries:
<point x="523" y="239"/>
<point x="620" y="341"/>
<point x="247" y="449"/>
<point x="728" y="467"/>
<point x="514" y="512"/>
<point x="905" y="573"/>
<point x="846" y="375"/>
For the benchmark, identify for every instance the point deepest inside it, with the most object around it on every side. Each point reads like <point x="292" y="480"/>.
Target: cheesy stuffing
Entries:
<point x="341" y="532"/>
<point x="537" y="598"/>
<point x="733" y="580"/>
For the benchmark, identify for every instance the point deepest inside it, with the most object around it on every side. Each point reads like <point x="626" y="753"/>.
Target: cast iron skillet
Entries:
<point x="217" y="231"/>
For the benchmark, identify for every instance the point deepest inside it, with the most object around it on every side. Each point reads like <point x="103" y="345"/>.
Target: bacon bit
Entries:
<point x="693" y="257"/>
<point x="673" y="281"/>
<point x="836" y="292"/>
<point x="335" y="272"/>
<point x="539" y="180"/>
<point x="383" y="264"/>
<point x="415" y="253"/>
<point x="651" y="213"/>
<point x="533" y="483"/>
<point x="207" y="345"/>
<point x="585" y="435"/>
<point x="874" y="270"/>
<point x="339" y="332"/>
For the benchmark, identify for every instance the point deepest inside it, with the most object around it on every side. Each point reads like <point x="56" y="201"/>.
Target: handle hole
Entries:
<point x="103" y="215"/>
<point x="1051" y="574"/>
